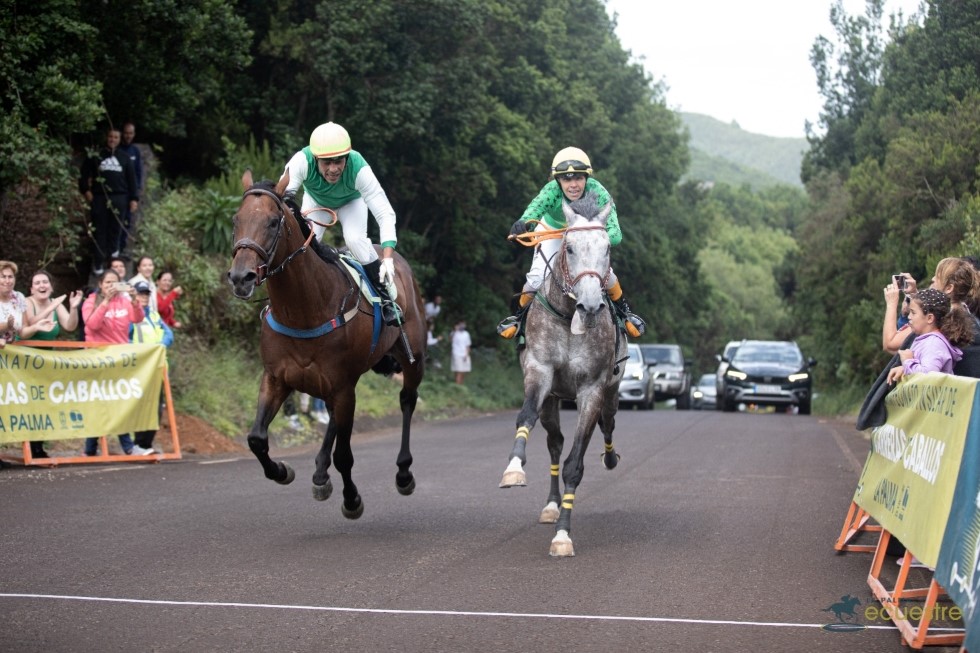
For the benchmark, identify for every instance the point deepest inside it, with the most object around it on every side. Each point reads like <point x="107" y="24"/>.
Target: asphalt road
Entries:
<point x="714" y="533"/>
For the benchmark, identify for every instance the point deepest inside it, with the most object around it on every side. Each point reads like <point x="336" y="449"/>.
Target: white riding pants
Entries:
<point x="353" y="218"/>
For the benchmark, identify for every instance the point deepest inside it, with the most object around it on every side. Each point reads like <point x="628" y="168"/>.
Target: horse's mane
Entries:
<point x="325" y="252"/>
<point x="587" y="206"/>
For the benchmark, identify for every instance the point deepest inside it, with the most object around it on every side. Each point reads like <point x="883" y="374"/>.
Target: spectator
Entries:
<point x="108" y="183"/>
<point x="144" y="273"/>
<point x="431" y="340"/>
<point x="958" y="280"/>
<point x="118" y="265"/>
<point x="940" y="330"/>
<point x="432" y="309"/>
<point x="150" y="331"/>
<point x="14" y="321"/>
<point x="167" y="294"/>
<point x="461" y="344"/>
<point x="108" y="313"/>
<point x="133" y="152"/>
<point x="39" y="306"/>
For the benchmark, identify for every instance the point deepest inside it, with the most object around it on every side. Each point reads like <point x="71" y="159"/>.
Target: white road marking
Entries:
<point x="442" y="613"/>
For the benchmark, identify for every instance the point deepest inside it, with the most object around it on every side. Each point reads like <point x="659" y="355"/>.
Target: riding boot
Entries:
<point x="389" y="311"/>
<point x="633" y="324"/>
<point x="510" y="325"/>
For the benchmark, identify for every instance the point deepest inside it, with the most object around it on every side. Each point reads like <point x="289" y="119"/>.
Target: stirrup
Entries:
<point x="390" y="313"/>
<point x="508" y="327"/>
<point x="635" y="326"/>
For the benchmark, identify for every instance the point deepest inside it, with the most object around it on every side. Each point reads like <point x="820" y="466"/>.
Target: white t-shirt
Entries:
<point x="461" y="342"/>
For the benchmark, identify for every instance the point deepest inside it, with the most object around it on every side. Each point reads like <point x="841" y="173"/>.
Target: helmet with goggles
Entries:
<point x="571" y="160"/>
<point x="329" y="140"/>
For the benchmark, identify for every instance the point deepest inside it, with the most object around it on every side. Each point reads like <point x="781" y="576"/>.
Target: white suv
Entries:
<point x="671" y="377"/>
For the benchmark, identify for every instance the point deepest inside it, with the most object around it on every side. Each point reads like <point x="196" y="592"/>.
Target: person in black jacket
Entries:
<point x="109" y="185"/>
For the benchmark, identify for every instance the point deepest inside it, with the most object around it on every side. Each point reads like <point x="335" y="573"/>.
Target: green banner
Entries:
<point x="909" y="478"/>
<point x="58" y="394"/>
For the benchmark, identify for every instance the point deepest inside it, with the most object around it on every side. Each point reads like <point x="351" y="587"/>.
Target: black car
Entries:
<point x="767" y="373"/>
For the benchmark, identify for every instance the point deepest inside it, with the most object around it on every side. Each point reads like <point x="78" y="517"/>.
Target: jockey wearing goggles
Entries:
<point x="334" y="176"/>
<point x="571" y="171"/>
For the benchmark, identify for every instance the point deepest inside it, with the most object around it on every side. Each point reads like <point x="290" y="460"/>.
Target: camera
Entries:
<point x="899" y="281"/>
<point x="122" y="286"/>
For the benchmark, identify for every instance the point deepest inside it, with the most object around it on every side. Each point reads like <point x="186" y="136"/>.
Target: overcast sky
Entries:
<point x="747" y="60"/>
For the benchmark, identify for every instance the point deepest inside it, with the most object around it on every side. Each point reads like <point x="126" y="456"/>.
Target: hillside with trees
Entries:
<point x="459" y="106"/>
<point x="724" y="152"/>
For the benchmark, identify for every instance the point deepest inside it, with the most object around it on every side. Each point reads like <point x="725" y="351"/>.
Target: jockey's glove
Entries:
<point x="387" y="274"/>
<point x="518" y="228"/>
<point x="290" y="201"/>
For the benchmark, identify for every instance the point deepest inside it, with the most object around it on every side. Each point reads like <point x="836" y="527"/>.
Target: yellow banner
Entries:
<point x="73" y="393"/>
<point x="910" y="476"/>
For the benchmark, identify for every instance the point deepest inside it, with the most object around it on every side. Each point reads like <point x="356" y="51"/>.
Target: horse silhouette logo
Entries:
<point x="846" y="617"/>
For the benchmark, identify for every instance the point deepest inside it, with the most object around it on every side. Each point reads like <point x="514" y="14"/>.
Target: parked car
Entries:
<point x="703" y="394"/>
<point x="671" y="378"/>
<point x="767" y="373"/>
<point x="637" y="384"/>
<point x="723" y="360"/>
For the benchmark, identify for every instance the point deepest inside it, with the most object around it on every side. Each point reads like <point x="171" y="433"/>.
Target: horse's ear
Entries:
<point x="604" y="213"/>
<point x="566" y="208"/>
<point x="247" y="179"/>
<point x="283" y="182"/>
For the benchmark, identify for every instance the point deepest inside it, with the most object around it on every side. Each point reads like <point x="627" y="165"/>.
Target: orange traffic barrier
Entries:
<point x="855" y="523"/>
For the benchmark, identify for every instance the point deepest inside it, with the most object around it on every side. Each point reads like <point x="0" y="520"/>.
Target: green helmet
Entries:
<point x="329" y="140"/>
<point x="571" y="160"/>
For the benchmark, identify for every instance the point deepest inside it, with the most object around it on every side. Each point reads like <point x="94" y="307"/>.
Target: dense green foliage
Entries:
<point x="894" y="179"/>
<point x="459" y="106"/>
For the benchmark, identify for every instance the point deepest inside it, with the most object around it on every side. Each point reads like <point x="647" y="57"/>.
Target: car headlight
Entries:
<point x="698" y="394"/>
<point x="735" y="374"/>
<point x="801" y="376"/>
<point x="637" y="375"/>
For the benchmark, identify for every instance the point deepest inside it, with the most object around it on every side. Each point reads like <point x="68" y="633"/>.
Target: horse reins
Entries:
<point x="569" y="282"/>
<point x="262" y="271"/>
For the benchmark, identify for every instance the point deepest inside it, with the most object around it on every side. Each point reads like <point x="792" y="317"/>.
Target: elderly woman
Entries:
<point x="13" y="309"/>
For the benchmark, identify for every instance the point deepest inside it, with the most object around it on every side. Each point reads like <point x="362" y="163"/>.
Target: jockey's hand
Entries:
<point x="290" y="201"/>
<point x="518" y="228"/>
<point x="387" y="274"/>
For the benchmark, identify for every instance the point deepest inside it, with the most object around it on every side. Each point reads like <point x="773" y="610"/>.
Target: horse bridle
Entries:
<point x="266" y="255"/>
<point x="567" y="281"/>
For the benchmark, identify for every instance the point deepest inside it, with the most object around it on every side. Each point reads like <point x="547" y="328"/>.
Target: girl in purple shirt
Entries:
<point x="940" y="331"/>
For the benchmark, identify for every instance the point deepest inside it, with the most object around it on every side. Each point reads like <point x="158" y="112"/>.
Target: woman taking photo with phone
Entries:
<point x="107" y="314"/>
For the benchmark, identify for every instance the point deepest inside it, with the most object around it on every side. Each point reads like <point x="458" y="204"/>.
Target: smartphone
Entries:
<point x="122" y="286"/>
<point x="899" y="281"/>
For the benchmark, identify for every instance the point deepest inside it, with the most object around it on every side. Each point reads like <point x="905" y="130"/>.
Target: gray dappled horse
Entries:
<point x="574" y="351"/>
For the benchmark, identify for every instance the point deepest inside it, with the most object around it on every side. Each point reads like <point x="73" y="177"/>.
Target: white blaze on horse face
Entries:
<point x="587" y="253"/>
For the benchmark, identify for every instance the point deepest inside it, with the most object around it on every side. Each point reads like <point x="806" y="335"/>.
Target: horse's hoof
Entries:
<point x="514" y="479"/>
<point x="356" y="512"/>
<point x="322" y="492"/>
<point x="561" y="546"/>
<point x="609" y="460"/>
<point x="406" y="489"/>
<point x="550" y="514"/>
<point x="288" y="475"/>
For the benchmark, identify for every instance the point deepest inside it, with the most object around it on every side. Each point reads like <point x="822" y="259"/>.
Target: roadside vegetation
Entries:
<point x="459" y="106"/>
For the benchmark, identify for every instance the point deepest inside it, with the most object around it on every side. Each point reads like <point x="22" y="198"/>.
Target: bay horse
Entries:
<point x="320" y="335"/>
<point x="574" y="351"/>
